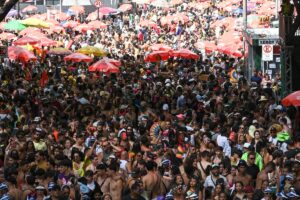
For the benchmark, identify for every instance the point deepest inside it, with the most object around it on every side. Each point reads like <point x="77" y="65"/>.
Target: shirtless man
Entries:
<point x="204" y="163"/>
<point x="152" y="182"/>
<point x="266" y="174"/>
<point x="242" y="176"/>
<point x="115" y="181"/>
<point x="102" y="178"/>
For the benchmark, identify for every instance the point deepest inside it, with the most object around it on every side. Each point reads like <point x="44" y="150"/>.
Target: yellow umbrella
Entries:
<point x="35" y="22"/>
<point x="88" y="50"/>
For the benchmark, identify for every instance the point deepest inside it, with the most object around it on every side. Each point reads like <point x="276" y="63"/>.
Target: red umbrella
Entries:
<point x="78" y="57"/>
<point x="70" y="24"/>
<point x="62" y="16"/>
<point x="84" y="28"/>
<point x="237" y="53"/>
<point x="55" y="29"/>
<point x="125" y="7"/>
<point x="97" y="24"/>
<point x="160" y="47"/>
<point x="185" y="53"/>
<point x="106" y="65"/>
<point x="157" y="56"/>
<point x="26" y="40"/>
<point x="29" y="8"/>
<point x="292" y="99"/>
<point x="19" y="53"/>
<point x="107" y="10"/>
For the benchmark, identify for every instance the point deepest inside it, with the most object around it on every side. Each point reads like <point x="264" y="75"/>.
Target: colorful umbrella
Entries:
<point x="14" y="25"/>
<point x="185" y="53"/>
<point x="77" y="9"/>
<point x="62" y="16"/>
<point x="26" y="40"/>
<point x="30" y="8"/>
<point x="125" y="7"/>
<point x="157" y="56"/>
<point x="59" y="51"/>
<point x="107" y="10"/>
<point x="55" y="29"/>
<point x="106" y="65"/>
<point x="78" y="57"/>
<point x="19" y="53"/>
<point x="292" y="99"/>
<point x="47" y="42"/>
<point x="89" y="50"/>
<point x="52" y="22"/>
<point x="97" y="24"/>
<point x="7" y="36"/>
<point x="35" y="23"/>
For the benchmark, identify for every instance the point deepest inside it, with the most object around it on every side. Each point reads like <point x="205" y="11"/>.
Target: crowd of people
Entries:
<point x="176" y="129"/>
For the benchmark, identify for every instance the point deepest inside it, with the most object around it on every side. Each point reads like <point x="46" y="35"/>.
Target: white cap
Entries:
<point x="167" y="81"/>
<point x="279" y="107"/>
<point x="254" y="121"/>
<point x="168" y="85"/>
<point x="247" y="145"/>
<point x="244" y="118"/>
<point x="165" y="107"/>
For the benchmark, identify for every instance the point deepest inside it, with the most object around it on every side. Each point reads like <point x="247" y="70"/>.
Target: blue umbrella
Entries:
<point x="12" y="13"/>
<point x="238" y="11"/>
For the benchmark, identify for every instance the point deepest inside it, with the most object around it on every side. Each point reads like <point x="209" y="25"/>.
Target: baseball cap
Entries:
<point x="242" y="163"/>
<point x="3" y="186"/>
<point x="53" y="186"/>
<point x="215" y="166"/>
<point x="247" y="145"/>
<point x="255" y="122"/>
<point x="165" y="107"/>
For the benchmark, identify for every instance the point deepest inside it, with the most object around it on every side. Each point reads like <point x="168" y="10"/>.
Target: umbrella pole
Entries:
<point x="18" y="9"/>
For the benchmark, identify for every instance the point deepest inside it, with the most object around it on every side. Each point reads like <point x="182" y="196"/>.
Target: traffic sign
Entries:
<point x="98" y="3"/>
<point x="267" y="52"/>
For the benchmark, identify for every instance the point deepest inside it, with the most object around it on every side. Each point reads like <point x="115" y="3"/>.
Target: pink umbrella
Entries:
<point x="52" y="22"/>
<point x="97" y="24"/>
<point x="55" y="29"/>
<point x="29" y="30"/>
<point x="94" y="16"/>
<point x="185" y="53"/>
<point x="148" y="23"/>
<point x="77" y="9"/>
<point x="160" y="47"/>
<point x="125" y="7"/>
<point x="70" y="24"/>
<point x="7" y="36"/>
<point x="107" y="10"/>
<point x="176" y="2"/>
<point x="62" y="16"/>
<point x="26" y="40"/>
<point x="47" y="42"/>
<point x="29" y="8"/>
<point x="84" y="28"/>
<point x="78" y="57"/>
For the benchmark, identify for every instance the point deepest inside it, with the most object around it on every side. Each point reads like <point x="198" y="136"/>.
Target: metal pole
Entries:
<point x="98" y="13"/>
<point x="276" y="15"/>
<point x="60" y="5"/>
<point x="35" y="2"/>
<point x="245" y="14"/>
<point x="18" y="9"/>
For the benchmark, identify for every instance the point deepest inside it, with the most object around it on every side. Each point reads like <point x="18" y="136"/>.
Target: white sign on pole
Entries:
<point x="267" y="52"/>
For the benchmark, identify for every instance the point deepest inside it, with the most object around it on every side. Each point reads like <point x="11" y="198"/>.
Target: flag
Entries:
<point x="44" y="78"/>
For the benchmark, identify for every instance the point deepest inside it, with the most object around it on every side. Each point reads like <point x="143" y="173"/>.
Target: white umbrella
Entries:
<point x="161" y="4"/>
<point x="141" y="1"/>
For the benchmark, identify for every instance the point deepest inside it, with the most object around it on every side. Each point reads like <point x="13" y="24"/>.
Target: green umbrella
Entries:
<point x="14" y="25"/>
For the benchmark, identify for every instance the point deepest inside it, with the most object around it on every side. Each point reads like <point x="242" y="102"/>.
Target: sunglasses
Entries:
<point x="252" y="158"/>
